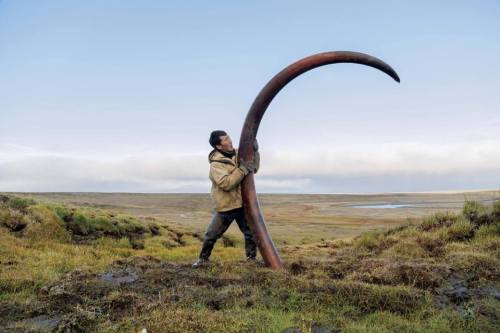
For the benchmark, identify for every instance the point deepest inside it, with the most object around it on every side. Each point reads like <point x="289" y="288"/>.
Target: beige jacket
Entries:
<point x="226" y="177"/>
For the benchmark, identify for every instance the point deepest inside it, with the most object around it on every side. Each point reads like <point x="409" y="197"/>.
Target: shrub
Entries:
<point x="438" y="220"/>
<point x="461" y="230"/>
<point x="487" y="231"/>
<point x="96" y="223"/>
<point x="433" y="246"/>
<point x="45" y="225"/>
<point x="20" y="203"/>
<point x="488" y="237"/>
<point x="16" y="203"/>
<point x="369" y="298"/>
<point x="391" y="272"/>
<point x="64" y="213"/>
<point x="154" y="229"/>
<point x="79" y="225"/>
<point x="495" y="212"/>
<point x="106" y="226"/>
<point x="14" y="220"/>
<point x="475" y="264"/>
<point x="476" y="213"/>
<point x="406" y="249"/>
<point x="370" y="241"/>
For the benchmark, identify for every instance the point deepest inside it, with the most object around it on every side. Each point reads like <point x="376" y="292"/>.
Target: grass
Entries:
<point x="95" y="269"/>
<point x="292" y="219"/>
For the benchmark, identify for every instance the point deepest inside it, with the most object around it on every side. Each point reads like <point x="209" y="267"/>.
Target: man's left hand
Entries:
<point x="248" y="166"/>
<point x="255" y="145"/>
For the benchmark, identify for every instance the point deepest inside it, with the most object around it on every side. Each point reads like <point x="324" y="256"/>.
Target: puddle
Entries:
<point x="119" y="277"/>
<point x="383" y="206"/>
<point x="41" y="323"/>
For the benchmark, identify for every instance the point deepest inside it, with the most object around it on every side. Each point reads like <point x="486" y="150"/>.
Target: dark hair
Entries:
<point x="215" y="137"/>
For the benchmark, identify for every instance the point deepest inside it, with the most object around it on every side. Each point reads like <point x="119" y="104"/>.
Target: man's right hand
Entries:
<point x="247" y="166"/>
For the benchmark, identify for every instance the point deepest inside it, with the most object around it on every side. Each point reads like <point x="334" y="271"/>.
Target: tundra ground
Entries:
<point x="96" y="262"/>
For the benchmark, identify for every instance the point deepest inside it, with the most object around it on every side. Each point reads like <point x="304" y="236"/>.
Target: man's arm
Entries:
<point x="225" y="180"/>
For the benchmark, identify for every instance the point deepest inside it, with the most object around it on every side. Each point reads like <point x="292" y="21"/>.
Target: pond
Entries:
<point x="383" y="206"/>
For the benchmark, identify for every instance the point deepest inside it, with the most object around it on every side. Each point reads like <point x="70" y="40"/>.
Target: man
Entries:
<point x="226" y="176"/>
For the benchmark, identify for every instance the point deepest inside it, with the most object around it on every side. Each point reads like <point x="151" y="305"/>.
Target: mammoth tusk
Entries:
<point x="254" y="116"/>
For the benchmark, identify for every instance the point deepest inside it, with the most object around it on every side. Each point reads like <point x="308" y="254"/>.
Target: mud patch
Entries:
<point x="459" y="290"/>
<point x="79" y="320"/>
<point x="75" y="288"/>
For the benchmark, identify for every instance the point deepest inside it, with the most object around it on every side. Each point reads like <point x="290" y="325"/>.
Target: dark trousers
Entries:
<point x="219" y="224"/>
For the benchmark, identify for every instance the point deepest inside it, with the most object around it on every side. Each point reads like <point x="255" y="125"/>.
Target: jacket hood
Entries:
<point x="216" y="156"/>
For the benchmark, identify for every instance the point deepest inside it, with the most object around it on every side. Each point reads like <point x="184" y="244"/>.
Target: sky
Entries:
<point x="121" y="96"/>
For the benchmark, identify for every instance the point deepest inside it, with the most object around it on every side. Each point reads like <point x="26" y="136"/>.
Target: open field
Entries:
<point x="291" y="218"/>
<point x="122" y="262"/>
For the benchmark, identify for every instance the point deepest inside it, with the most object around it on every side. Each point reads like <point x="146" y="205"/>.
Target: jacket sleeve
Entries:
<point x="225" y="180"/>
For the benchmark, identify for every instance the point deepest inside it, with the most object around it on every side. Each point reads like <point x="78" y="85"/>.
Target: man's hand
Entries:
<point x="255" y="145"/>
<point x="247" y="166"/>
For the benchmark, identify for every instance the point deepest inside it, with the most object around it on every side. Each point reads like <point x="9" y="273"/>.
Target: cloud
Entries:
<point x="386" y="158"/>
<point x="349" y="168"/>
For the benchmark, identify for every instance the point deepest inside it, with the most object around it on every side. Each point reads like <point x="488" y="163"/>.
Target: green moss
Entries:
<point x="95" y="223"/>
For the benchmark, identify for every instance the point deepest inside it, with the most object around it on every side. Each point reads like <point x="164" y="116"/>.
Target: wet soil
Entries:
<point x="78" y="301"/>
<point x="81" y="300"/>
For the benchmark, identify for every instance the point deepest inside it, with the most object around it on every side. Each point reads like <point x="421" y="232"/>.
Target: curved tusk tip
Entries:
<point x="392" y="73"/>
<point x="396" y="77"/>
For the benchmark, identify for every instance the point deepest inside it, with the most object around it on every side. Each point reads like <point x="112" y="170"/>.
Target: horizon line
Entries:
<point x="272" y="193"/>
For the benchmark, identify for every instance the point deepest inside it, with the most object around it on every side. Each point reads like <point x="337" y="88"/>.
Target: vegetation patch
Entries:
<point x="76" y="269"/>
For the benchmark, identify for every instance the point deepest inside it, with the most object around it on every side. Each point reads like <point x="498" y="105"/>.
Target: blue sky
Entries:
<point x="122" y="95"/>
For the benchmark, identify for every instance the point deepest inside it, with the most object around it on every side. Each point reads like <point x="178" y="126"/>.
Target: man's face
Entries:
<point x="225" y="143"/>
